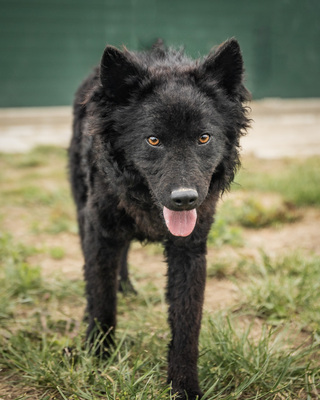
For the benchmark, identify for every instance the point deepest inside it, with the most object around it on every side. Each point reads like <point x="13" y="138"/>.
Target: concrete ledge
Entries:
<point x="284" y="128"/>
<point x="35" y="115"/>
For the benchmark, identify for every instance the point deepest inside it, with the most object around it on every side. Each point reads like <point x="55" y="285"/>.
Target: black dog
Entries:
<point x="155" y="143"/>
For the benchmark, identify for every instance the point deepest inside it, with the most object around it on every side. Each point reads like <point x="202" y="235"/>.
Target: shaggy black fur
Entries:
<point x="152" y="130"/>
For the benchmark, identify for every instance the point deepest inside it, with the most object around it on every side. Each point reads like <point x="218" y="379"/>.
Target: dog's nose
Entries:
<point x="184" y="198"/>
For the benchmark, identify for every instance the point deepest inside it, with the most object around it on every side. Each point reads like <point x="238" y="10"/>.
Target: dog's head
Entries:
<point x="178" y="123"/>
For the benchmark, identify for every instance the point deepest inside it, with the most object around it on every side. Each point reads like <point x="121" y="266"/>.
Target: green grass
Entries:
<point x="38" y="157"/>
<point x="57" y="253"/>
<point x="285" y="289"/>
<point x="252" y="213"/>
<point x="264" y="345"/>
<point x="58" y="219"/>
<point x="298" y="182"/>
<point x="227" y="268"/>
<point x="22" y="283"/>
<point x="37" y="182"/>
<point x="249" y="211"/>
<point x="232" y="364"/>
<point x="17" y="275"/>
<point x="76" y="374"/>
<point x="223" y="233"/>
<point x="236" y="362"/>
<point x="30" y="195"/>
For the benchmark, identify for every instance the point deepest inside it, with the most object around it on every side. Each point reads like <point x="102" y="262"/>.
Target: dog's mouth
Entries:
<point x="180" y="223"/>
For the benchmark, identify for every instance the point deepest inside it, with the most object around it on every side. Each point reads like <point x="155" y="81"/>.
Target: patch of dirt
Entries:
<point x="220" y="294"/>
<point x="71" y="265"/>
<point x="10" y="389"/>
<point x="147" y="263"/>
<point x="302" y="235"/>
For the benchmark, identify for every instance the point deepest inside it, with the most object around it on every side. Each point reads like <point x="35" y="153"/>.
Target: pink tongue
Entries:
<point x="180" y="223"/>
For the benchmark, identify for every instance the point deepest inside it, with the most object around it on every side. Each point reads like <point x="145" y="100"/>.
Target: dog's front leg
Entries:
<point x="103" y="256"/>
<point x="185" y="294"/>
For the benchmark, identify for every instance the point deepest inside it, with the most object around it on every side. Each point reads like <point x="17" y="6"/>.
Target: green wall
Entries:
<point x="48" y="46"/>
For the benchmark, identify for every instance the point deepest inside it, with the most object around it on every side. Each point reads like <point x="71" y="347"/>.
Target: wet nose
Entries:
<point x="184" y="198"/>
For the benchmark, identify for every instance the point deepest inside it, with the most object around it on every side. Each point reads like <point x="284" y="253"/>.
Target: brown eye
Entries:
<point x="203" y="139"/>
<point x="153" y="141"/>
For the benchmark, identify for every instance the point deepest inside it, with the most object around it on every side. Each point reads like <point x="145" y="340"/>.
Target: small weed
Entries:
<point x="226" y="268"/>
<point x="252" y="211"/>
<point x="67" y="368"/>
<point x="235" y="364"/>
<point x="18" y="279"/>
<point x="285" y="289"/>
<point x="298" y="182"/>
<point x="154" y="248"/>
<point x="17" y="275"/>
<point x="23" y="282"/>
<point x="219" y="270"/>
<point x="30" y="195"/>
<point x="62" y="219"/>
<point x="38" y="157"/>
<point x="254" y="214"/>
<point x="57" y="253"/>
<point x="223" y="233"/>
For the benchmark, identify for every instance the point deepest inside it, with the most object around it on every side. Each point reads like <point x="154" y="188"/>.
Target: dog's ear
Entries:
<point x="225" y="66"/>
<point x="159" y="48"/>
<point x="120" y="74"/>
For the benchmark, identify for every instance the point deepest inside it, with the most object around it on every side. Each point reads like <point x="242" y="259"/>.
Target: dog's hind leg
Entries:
<point x="185" y="294"/>
<point x="125" y="285"/>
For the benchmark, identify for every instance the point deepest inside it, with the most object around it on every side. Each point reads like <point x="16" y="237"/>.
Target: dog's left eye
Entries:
<point x="203" y="139"/>
<point x="153" y="141"/>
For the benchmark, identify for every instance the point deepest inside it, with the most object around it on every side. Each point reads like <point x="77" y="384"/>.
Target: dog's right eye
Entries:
<point x="153" y="141"/>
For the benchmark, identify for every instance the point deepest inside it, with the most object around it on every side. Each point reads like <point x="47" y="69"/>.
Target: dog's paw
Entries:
<point x="189" y="395"/>
<point x="126" y="287"/>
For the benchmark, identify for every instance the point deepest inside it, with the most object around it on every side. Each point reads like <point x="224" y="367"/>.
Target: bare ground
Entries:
<point x="147" y="262"/>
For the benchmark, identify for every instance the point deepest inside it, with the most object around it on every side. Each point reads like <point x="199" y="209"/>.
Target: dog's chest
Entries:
<point x="147" y="224"/>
